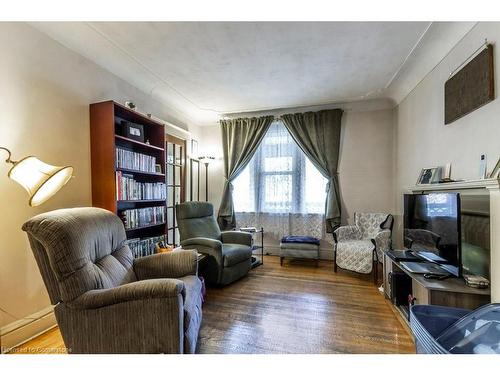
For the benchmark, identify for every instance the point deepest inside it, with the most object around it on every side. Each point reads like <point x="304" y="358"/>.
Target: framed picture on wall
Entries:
<point x="430" y="175"/>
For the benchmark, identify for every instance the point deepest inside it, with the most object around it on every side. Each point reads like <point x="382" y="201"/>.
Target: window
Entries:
<point x="279" y="178"/>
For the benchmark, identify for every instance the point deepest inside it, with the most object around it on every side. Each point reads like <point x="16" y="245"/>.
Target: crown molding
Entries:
<point x="434" y="45"/>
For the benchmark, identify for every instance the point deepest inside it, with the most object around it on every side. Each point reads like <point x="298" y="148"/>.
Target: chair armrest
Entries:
<point x="347" y="233"/>
<point x="238" y="237"/>
<point x="382" y="240"/>
<point x="166" y="265"/>
<point x="202" y="241"/>
<point x="206" y="246"/>
<point x="139" y="290"/>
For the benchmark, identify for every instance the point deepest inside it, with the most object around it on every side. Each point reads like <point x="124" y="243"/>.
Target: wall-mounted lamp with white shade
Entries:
<point x="39" y="179"/>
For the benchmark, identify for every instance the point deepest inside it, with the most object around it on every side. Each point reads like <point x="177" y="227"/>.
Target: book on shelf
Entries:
<point x="135" y="161"/>
<point x="142" y="217"/>
<point x="127" y="188"/>
<point x="141" y="247"/>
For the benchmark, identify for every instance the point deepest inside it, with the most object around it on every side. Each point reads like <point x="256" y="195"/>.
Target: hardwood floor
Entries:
<point x="297" y="308"/>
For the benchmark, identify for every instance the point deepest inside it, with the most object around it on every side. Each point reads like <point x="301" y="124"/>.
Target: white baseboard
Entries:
<point x="23" y="330"/>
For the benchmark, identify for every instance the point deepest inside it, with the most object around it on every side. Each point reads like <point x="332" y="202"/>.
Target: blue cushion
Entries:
<point x="300" y="239"/>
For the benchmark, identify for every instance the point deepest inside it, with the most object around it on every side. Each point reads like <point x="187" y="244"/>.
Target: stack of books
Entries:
<point x="476" y="281"/>
<point x="144" y="247"/>
<point x="129" y="189"/>
<point x="132" y="160"/>
<point x="142" y="217"/>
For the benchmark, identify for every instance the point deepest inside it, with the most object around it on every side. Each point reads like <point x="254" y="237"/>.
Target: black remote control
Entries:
<point x="435" y="276"/>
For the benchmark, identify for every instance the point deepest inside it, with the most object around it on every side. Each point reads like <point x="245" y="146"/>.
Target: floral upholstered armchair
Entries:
<point x="360" y="247"/>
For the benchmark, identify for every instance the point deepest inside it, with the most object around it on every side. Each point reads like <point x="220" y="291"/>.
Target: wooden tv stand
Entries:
<point x="449" y="292"/>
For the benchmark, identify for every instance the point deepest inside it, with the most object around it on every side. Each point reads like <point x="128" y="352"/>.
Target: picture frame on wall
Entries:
<point x="430" y="175"/>
<point x="470" y="87"/>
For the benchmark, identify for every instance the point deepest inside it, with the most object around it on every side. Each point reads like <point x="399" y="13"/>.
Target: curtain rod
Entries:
<point x="277" y="116"/>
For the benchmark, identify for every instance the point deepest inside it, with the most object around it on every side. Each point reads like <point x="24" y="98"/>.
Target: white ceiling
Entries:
<point x="206" y="69"/>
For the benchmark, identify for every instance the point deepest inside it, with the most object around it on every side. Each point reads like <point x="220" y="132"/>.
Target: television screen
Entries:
<point x="432" y="228"/>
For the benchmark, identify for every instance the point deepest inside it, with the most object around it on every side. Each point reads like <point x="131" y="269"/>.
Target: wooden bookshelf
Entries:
<point x="105" y="138"/>
<point x="144" y="227"/>
<point x="139" y="200"/>
<point x="121" y="138"/>
<point x="136" y="172"/>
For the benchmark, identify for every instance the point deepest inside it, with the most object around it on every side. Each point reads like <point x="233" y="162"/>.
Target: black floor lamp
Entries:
<point x="206" y="160"/>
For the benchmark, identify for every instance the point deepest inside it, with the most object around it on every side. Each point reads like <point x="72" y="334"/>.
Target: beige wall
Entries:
<point x="423" y="140"/>
<point x="366" y="162"/>
<point x="45" y="90"/>
<point x="365" y="166"/>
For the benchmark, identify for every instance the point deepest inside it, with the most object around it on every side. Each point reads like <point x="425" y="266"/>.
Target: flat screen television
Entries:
<point x="432" y="229"/>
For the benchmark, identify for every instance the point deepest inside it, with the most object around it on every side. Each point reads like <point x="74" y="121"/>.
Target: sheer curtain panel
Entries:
<point x="280" y="189"/>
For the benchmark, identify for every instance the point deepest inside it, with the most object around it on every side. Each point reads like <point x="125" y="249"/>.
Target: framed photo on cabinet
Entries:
<point x="430" y="175"/>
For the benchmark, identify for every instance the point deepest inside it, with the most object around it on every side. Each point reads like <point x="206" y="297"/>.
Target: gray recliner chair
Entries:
<point x="229" y="253"/>
<point x="107" y="301"/>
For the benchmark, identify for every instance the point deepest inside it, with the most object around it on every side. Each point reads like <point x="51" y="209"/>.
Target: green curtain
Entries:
<point x="318" y="135"/>
<point x="240" y="139"/>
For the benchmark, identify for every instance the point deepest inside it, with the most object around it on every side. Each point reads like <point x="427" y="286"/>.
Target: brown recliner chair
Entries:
<point x="107" y="301"/>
